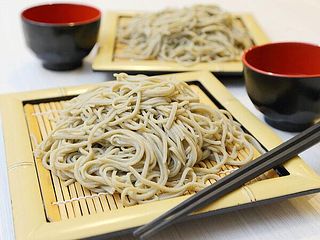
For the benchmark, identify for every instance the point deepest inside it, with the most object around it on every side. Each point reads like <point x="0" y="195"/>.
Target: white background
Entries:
<point x="282" y="20"/>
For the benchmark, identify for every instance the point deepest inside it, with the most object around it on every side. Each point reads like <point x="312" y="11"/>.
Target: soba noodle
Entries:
<point x="202" y="33"/>
<point x="146" y="138"/>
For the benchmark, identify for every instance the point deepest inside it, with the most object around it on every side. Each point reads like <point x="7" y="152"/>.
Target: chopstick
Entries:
<point x="236" y="179"/>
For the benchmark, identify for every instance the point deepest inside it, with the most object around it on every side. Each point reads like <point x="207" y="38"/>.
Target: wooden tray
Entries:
<point x="34" y="191"/>
<point x="106" y="60"/>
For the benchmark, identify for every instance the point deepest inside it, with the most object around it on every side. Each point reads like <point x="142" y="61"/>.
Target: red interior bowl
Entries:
<point x="284" y="59"/>
<point x="61" y="14"/>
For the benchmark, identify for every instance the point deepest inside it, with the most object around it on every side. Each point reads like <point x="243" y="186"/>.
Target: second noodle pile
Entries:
<point x="202" y="33"/>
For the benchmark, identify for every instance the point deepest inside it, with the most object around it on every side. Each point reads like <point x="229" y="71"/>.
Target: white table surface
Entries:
<point x="282" y="20"/>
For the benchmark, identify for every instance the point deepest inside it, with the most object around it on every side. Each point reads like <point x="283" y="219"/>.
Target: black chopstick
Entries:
<point x="253" y="169"/>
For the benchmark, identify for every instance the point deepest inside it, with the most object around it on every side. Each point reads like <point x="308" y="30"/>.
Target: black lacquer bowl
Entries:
<point x="283" y="82"/>
<point x="61" y="35"/>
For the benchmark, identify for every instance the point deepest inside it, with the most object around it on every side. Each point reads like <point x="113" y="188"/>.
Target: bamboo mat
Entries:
<point x="63" y="202"/>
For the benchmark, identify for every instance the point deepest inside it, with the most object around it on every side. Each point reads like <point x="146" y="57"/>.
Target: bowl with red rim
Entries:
<point x="61" y="34"/>
<point x="283" y="81"/>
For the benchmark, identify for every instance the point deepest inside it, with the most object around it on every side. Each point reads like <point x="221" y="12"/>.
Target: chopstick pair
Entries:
<point x="236" y="179"/>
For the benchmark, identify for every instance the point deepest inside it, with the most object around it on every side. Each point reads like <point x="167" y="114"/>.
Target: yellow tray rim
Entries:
<point x="28" y="212"/>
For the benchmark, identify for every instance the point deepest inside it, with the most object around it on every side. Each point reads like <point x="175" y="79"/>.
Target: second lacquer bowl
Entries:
<point x="283" y="81"/>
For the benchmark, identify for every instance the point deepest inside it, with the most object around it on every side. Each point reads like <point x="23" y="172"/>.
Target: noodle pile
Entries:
<point x="202" y="33"/>
<point x="144" y="137"/>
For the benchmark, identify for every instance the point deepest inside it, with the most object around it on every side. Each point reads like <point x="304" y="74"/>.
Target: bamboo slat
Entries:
<point x="48" y="193"/>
